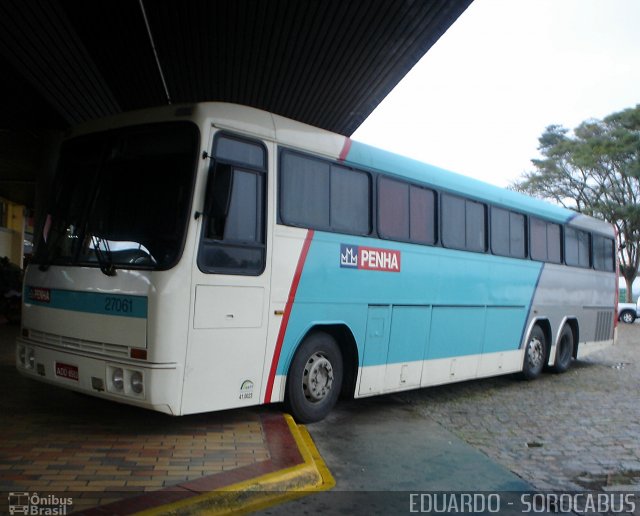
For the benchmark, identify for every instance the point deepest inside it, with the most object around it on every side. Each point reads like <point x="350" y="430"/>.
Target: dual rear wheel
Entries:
<point x="535" y="353"/>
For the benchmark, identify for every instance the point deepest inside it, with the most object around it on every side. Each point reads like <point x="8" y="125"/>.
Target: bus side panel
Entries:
<point x="582" y="294"/>
<point x="442" y="311"/>
<point x="409" y="338"/>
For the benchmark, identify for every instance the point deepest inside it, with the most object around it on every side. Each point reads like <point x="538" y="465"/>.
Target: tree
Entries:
<point x="596" y="171"/>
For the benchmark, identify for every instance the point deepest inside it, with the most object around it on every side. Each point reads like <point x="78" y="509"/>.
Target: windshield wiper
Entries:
<point x="104" y="259"/>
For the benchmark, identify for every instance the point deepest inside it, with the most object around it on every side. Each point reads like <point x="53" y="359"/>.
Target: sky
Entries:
<point x="480" y="98"/>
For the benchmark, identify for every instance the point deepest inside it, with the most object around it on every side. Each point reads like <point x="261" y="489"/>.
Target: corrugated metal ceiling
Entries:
<point x="328" y="63"/>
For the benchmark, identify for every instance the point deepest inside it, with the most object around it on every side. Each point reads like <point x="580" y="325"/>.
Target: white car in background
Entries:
<point x="629" y="312"/>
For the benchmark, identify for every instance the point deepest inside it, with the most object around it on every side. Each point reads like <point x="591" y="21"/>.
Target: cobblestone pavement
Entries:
<point x="578" y="430"/>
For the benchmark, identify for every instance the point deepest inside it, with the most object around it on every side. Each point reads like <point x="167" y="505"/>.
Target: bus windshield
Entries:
<point x="120" y="199"/>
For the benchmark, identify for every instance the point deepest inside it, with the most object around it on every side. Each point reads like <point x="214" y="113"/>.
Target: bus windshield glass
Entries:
<point x="121" y="199"/>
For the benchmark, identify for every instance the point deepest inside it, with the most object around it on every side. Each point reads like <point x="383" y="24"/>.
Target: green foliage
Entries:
<point x="595" y="170"/>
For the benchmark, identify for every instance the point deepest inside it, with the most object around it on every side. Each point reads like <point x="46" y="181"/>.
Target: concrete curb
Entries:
<point x="312" y="475"/>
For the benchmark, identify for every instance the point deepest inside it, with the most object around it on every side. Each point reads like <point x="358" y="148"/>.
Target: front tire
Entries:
<point x="535" y="353"/>
<point x="564" y="351"/>
<point x="315" y="378"/>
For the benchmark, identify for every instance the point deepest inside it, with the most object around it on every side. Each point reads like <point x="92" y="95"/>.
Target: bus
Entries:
<point x="205" y="257"/>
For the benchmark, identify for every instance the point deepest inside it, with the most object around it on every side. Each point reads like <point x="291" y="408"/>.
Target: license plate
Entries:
<point x="67" y="371"/>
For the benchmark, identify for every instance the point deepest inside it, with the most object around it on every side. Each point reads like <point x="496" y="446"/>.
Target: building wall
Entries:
<point x="12" y="232"/>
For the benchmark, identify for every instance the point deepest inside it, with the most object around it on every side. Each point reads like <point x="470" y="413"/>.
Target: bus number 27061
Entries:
<point x="119" y="305"/>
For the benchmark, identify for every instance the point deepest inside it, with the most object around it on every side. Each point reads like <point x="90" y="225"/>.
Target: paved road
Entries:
<point x="575" y="431"/>
<point x="385" y="456"/>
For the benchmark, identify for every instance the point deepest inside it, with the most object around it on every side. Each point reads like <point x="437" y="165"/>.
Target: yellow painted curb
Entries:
<point x="311" y="476"/>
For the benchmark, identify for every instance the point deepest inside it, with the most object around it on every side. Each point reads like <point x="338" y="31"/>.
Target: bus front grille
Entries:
<point x="81" y="345"/>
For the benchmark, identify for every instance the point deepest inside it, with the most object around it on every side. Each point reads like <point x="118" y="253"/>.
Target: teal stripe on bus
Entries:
<point x="87" y="302"/>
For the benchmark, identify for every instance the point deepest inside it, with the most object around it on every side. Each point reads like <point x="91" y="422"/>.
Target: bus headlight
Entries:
<point x="117" y="379"/>
<point x="124" y="381"/>
<point x="31" y="359"/>
<point x="137" y="384"/>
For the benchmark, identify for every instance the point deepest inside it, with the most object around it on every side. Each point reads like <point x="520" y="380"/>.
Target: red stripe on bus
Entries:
<point x="286" y="315"/>
<point x="345" y="149"/>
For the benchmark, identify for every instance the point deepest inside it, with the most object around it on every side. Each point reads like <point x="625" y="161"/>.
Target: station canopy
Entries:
<point x="327" y="63"/>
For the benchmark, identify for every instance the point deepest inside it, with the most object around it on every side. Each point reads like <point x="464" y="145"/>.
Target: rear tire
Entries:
<point x="535" y="353"/>
<point x="564" y="351"/>
<point x="315" y="378"/>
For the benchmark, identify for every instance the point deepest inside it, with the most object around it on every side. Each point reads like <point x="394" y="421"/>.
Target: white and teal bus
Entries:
<point x="213" y="256"/>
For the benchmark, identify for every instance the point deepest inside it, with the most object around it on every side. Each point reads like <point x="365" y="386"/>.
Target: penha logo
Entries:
<point x="349" y="256"/>
<point x="369" y="258"/>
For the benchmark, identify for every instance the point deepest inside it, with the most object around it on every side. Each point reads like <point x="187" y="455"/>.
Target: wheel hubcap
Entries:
<point x="535" y="352"/>
<point x="318" y="378"/>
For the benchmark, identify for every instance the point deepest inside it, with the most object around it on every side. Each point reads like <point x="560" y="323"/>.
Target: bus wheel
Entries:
<point x="534" y="354"/>
<point x="564" y="352"/>
<point x="315" y="378"/>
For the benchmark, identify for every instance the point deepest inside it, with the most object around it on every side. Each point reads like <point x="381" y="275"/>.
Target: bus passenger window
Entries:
<point x="350" y="199"/>
<point x="554" y="243"/>
<point x="406" y="212"/>
<point x="317" y="194"/>
<point x="517" y="235"/>
<point x="463" y="224"/>
<point x="603" y="254"/>
<point x="304" y="191"/>
<point x="475" y="226"/>
<point x="576" y="247"/>
<point x="422" y="211"/>
<point x="393" y="209"/>
<point x="545" y="241"/>
<point x="507" y="233"/>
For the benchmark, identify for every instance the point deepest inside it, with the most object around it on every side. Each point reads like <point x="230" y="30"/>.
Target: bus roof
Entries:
<point x="305" y="137"/>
